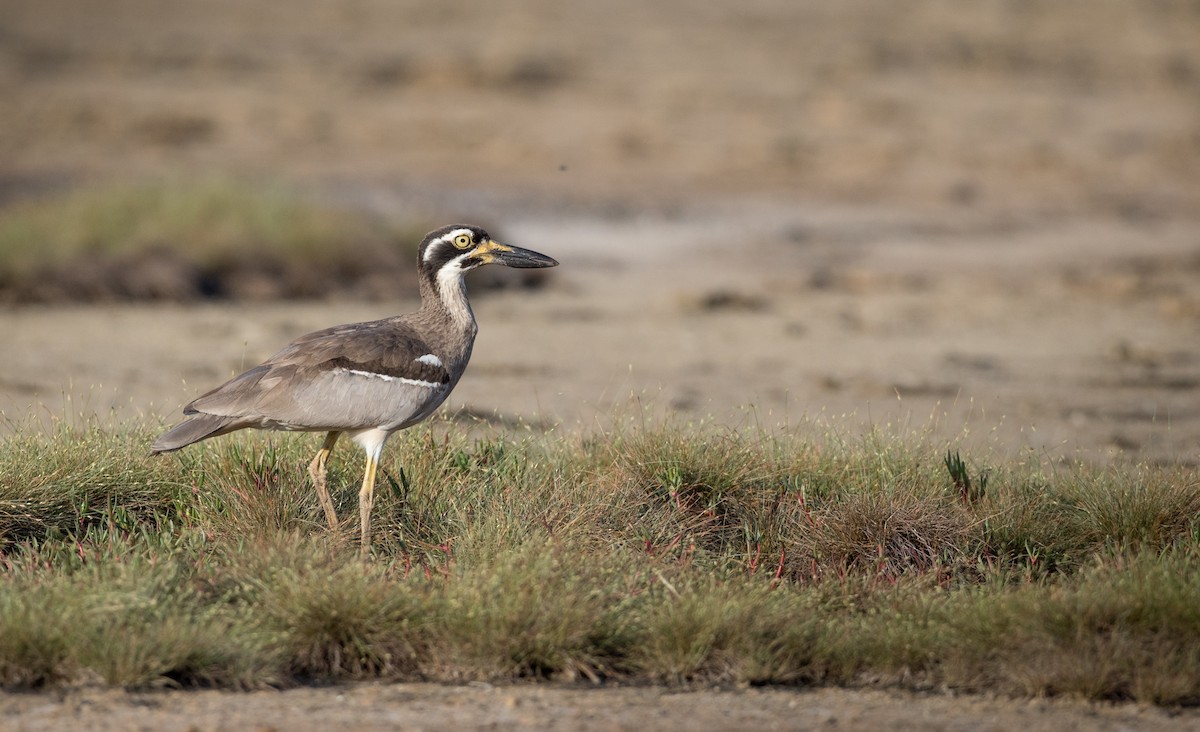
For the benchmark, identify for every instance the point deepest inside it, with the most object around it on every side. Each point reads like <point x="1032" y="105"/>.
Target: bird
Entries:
<point x="367" y="380"/>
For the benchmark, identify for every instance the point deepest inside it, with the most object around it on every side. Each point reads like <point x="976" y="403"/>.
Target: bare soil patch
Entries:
<point x="481" y="706"/>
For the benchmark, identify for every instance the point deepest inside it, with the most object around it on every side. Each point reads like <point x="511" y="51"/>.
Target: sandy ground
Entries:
<point x="1075" y="340"/>
<point x="433" y="707"/>
<point x="981" y="224"/>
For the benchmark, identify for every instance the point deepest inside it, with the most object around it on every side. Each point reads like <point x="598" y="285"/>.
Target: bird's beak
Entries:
<point x="511" y="256"/>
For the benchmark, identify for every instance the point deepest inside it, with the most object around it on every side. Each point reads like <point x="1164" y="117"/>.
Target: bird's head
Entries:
<point x="463" y="247"/>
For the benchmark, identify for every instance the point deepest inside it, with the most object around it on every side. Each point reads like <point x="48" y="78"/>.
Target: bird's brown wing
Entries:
<point x="376" y="374"/>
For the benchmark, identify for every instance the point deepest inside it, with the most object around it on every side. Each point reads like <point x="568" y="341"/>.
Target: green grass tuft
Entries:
<point x="669" y="555"/>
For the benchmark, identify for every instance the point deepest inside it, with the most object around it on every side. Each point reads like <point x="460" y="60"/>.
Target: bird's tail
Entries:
<point x="199" y="427"/>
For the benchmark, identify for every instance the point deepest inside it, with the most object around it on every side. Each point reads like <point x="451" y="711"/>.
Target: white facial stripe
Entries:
<point x="385" y="377"/>
<point x="447" y="239"/>
<point x="430" y="360"/>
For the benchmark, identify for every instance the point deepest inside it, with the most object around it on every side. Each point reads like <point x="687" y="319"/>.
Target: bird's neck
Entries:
<point x="444" y="296"/>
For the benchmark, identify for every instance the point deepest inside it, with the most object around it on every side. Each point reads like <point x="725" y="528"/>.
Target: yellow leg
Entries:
<point x="316" y="469"/>
<point x="366" y="500"/>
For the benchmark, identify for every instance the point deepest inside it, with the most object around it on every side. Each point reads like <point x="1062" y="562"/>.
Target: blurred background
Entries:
<point x="981" y="220"/>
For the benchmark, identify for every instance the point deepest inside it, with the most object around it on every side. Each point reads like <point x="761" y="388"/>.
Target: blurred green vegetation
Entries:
<point x="211" y="238"/>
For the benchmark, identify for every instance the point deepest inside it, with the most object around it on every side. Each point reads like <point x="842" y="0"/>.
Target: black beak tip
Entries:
<point x="526" y="259"/>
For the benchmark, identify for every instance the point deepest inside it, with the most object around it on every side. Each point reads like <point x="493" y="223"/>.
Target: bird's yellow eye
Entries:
<point x="462" y="241"/>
